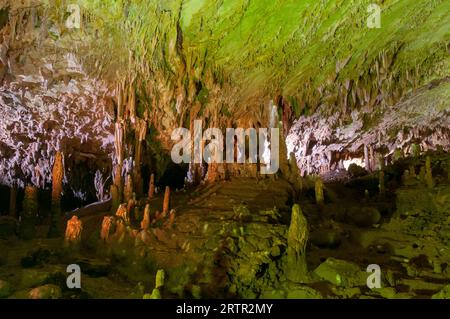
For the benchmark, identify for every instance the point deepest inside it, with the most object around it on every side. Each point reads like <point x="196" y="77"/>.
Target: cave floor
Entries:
<point x="227" y="240"/>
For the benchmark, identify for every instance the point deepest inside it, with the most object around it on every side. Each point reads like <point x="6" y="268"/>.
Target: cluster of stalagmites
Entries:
<point x="125" y="211"/>
<point x="115" y="227"/>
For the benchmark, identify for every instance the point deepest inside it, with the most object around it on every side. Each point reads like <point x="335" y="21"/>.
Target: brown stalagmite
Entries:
<point x="122" y="213"/>
<point x="212" y="174"/>
<point x="166" y="204"/>
<point x="12" y="201"/>
<point x="73" y="230"/>
<point x="145" y="223"/>
<point x="172" y="217"/>
<point x="107" y="224"/>
<point x="115" y="198"/>
<point x="151" y="187"/>
<point x="57" y="179"/>
<point x="128" y="191"/>
<point x="29" y="214"/>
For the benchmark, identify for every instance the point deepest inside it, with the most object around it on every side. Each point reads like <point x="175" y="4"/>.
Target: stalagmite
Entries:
<point x="128" y="191"/>
<point x="171" y="217"/>
<point x="73" y="230"/>
<point x="151" y="188"/>
<point x="159" y="284"/>
<point x="122" y="213"/>
<point x="296" y="267"/>
<point x="428" y="173"/>
<point x="57" y="178"/>
<point x="29" y="213"/>
<point x="319" y="191"/>
<point x="107" y="223"/>
<point x="166" y="204"/>
<point x="115" y="198"/>
<point x="381" y="182"/>
<point x="145" y="223"/>
<point x="121" y="230"/>
<point x="131" y="206"/>
<point x="12" y="201"/>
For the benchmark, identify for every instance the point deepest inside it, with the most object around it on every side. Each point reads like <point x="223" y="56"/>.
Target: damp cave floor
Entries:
<point x="211" y="213"/>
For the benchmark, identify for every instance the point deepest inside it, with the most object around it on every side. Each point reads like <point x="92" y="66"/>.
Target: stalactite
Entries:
<point x="141" y="132"/>
<point x="166" y="204"/>
<point x="27" y="228"/>
<point x="151" y="188"/>
<point x="118" y="145"/>
<point x="57" y="179"/>
<point x="298" y="233"/>
<point x="131" y="106"/>
<point x="120" y="100"/>
<point x="366" y="158"/>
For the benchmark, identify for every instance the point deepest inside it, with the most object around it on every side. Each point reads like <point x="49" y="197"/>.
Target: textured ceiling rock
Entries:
<point x="421" y="118"/>
<point x="225" y="62"/>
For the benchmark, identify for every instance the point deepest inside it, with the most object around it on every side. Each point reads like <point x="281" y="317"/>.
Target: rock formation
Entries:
<point x="296" y="267"/>
<point x="73" y="231"/>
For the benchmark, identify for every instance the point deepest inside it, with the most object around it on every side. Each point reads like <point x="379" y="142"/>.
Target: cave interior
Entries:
<point x="114" y="151"/>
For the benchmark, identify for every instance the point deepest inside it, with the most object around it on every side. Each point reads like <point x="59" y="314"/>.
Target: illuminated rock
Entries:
<point x="57" y="179"/>
<point x="166" y="203"/>
<point x="296" y="267"/>
<point x="73" y="230"/>
<point x="107" y="226"/>
<point x="145" y="223"/>
<point x="122" y="213"/>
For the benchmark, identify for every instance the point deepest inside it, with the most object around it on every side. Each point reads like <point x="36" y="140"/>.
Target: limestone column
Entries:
<point x="57" y="179"/>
